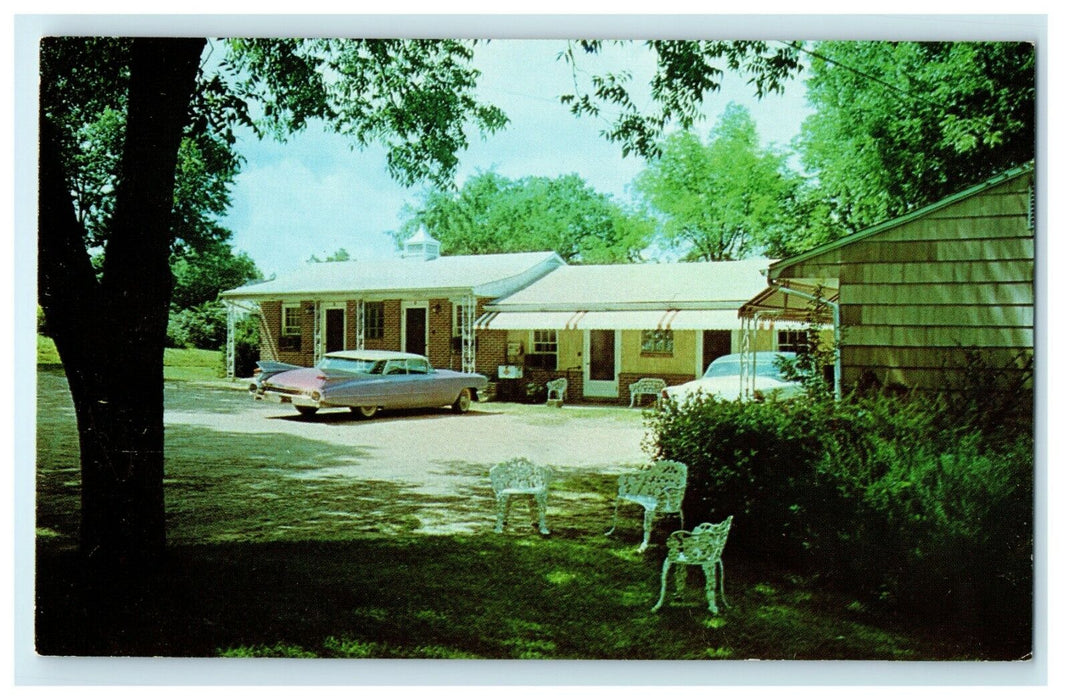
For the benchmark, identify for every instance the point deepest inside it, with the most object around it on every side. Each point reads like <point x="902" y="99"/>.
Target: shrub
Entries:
<point x="202" y="327"/>
<point x="907" y="501"/>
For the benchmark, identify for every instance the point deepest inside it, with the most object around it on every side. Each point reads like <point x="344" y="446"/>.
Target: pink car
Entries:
<point x="365" y="381"/>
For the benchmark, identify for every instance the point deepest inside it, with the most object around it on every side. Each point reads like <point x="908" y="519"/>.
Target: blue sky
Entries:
<point x="313" y="195"/>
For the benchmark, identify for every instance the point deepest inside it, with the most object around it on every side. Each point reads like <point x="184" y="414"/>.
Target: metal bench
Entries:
<point x="647" y="386"/>
<point x="701" y="547"/>
<point x="558" y="387"/>
<point x="520" y="477"/>
<point x="658" y="488"/>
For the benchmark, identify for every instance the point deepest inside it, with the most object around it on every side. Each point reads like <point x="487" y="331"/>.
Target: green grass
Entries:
<point x="475" y="596"/>
<point x="179" y="364"/>
<point x="270" y="557"/>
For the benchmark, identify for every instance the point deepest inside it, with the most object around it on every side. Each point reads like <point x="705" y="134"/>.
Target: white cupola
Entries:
<point x="421" y="246"/>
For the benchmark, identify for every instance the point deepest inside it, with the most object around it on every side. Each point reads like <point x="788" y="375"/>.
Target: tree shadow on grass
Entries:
<point x="455" y="596"/>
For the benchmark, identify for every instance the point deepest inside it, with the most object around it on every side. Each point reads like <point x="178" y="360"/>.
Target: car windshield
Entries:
<point x="729" y="366"/>
<point x="345" y="364"/>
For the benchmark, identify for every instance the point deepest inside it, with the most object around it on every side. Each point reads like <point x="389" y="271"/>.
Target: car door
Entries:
<point x="425" y="391"/>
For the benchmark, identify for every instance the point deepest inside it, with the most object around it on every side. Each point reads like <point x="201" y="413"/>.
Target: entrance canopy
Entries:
<point x="798" y="301"/>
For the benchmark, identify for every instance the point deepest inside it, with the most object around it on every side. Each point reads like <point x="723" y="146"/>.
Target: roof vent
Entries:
<point x="421" y="247"/>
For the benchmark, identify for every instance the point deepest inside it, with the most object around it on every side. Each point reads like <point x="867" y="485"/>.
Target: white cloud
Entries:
<point x="314" y="195"/>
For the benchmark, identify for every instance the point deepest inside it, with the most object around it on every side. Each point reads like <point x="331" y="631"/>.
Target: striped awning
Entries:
<point x="663" y="319"/>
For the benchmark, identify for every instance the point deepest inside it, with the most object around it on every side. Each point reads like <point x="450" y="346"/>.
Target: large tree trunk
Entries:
<point x="111" y="333"/>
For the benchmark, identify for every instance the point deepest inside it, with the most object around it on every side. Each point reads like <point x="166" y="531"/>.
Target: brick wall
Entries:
<point x="439" y="332"/>
<point x="270" y="328"/>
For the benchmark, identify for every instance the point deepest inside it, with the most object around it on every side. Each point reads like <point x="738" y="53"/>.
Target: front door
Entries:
<point x="601" y="369"/>
<point x="334" y="331"/>
<point x="714" y="344"/>
<point x="415" y="340"/>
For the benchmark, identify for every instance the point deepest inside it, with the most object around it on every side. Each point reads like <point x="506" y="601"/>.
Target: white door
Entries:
<point x="601" y="363"/>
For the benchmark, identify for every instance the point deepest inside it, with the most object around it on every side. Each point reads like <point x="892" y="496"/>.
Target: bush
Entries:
<point x="202" y="327"/>
<point x="914" y="502"/>
<point x="246" y="345"/>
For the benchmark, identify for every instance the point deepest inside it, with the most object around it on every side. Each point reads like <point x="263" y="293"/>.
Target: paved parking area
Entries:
<point x="242" y="470"/>
<point x="419" y="457"/>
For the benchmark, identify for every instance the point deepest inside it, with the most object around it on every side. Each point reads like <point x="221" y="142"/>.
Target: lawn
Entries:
<point x="181" y="364"/>
<point x="268" y="559"/>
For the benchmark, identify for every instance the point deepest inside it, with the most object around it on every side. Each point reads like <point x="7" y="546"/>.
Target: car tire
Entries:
<point x="365" y="412"/>
<point x="306" y="410"/>
<point x="463" y="402"/>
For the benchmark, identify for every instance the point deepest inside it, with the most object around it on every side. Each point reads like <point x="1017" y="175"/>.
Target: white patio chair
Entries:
<point x="702" y="547"/>
<point x="519" y="477"/>
<point x="658" y="488"/>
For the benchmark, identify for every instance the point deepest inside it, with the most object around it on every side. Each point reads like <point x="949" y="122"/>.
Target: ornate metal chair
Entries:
<point x="658" y="488"/>
<point x="646" y="386"/>
<point x="558" y="387"/>
<point x="701" y="547"/>
<point x="520" y="477"/>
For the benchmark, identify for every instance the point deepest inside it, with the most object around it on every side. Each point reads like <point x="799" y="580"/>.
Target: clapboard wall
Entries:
<point x="914" y="292"/>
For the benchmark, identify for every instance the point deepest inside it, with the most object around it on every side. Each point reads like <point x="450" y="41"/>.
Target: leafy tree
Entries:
<point x="685" y="72"/>
<point x="110" y="324"/>
<point x="723" y="199"/>
<point x="414" y="97"/>
<point x="493" y="214"/>
<point x="901" y="124"/>
<point x="200" y="275"/>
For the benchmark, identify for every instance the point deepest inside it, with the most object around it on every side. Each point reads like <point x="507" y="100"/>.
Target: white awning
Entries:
<point x="662" y="319"/>
<point x="524" y="320"/>
<point x="623" y="320"/>
<point x="704" y="319"/>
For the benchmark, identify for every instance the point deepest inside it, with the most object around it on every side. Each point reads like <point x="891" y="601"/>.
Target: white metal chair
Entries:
<point x="521" y="477"/>
<point x="658" y="488"/>
<point x="702" y="547"/>
<point x="645" y="387"/>
<point x="558" y="387"/>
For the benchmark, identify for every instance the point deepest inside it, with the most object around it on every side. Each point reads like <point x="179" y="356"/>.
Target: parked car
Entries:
<point x="365" y="381"/>
<point x="723" y="379"/>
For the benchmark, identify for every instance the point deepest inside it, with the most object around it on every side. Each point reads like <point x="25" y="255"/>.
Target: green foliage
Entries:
<point x="200" y="275"/>
<point x="912" y="501"/>
<point x="724" y="199"/>
<point x="202" y="326"/>
<point x="414" y="97"/>
<point x="685" y="73"/>
<point x="493" y="214"/>
<point x="901" y="124"/>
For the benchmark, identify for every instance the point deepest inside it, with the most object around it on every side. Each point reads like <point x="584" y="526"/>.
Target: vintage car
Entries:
<point x="724" y="379"/>
<point x="365" y="381"/>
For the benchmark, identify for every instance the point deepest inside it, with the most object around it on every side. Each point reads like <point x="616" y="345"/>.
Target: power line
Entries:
<point x="798" y="47"/>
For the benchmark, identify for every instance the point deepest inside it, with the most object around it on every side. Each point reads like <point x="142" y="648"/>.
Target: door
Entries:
<point x="334" y="330"/>
<point x="714" y="344"/>
<point x="601" y="368"/>
<point x="415" y="330"/>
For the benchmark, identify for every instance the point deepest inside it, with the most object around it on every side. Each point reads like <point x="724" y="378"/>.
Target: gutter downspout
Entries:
<point x="836" y="330"/>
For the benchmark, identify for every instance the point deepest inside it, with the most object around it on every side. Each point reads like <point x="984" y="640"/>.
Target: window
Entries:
<point x="374" y="320"/>
<point x="659" y="342"/>
<point x="792" y="341"/>
<point x="543" y="352"/>
<point x="291" y="319"/>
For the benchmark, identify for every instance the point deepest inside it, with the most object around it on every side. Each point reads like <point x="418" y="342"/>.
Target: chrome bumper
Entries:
<point x="291" y="399"/>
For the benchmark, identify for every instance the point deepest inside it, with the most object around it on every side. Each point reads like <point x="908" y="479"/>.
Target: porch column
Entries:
<point x="467" y="335"/>
<point x="359" y="324"/>
<point x="317" y="335"/>
<point x="231" y="312"/>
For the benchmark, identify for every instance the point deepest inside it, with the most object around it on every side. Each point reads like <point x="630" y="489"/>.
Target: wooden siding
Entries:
<point x="913" y="295"/>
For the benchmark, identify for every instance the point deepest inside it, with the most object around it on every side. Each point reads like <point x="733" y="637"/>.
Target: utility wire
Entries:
<point x="798" y="47"/>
